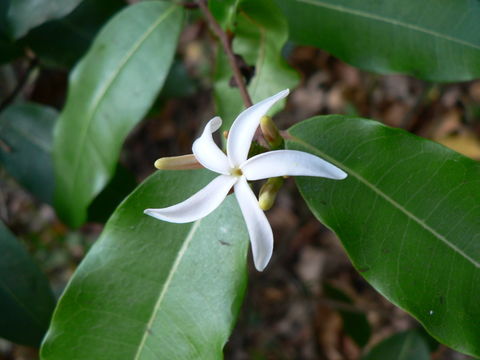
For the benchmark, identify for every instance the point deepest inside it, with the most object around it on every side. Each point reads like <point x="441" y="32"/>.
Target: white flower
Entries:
<point x="235" y="170"/>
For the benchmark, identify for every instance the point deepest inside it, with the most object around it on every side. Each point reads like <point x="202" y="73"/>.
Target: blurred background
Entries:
<point x="310" y="303"/>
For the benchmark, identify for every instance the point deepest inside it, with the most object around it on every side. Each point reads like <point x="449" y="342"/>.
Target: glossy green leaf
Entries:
<point x="260" y="33"/>
<point x="408" y="345"/>
<point x="110" y="90"/>
<point x="437" y="40"/>
<point x="72" y="34"/>
<point x="408" y="216"/>
<point x="23" y="15"/>
<point x="26" y="133"/>
<point x="355" y="323"/>
<point x="149" y="289"/>
<point x="26" y="301"/>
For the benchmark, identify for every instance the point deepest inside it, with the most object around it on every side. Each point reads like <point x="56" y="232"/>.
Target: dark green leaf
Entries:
<point x="23" y="15"/>
<point x="26" y="132"/>
<point x="122" y="184"/>
<point x="178" y="82"/>
<point x="408" y="215"/>
<point x="437" y="40"/>
<point x="355" y="323"/>
<point x="4" y="6"/>
<point x="260" y="33"/>
<point x="9" y="50"/>
<point x="62" y="42"/>
<point x="26" y="301"/>
<point x="110" y="90"/>
<point x="149" y="289"/>
<point x="408" y="345"/>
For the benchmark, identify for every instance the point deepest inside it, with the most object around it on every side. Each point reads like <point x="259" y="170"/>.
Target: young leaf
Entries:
<point x="26" y="301"/>
<point x="26" y="134"/>
<point x="406" y="36"/>
<point x="149" y="289"/>
<point x="260" y="33"/>
<point x="408" y="345"/>
<point x="110" y="90"/>
<point x="23" y="15"/>
<point x="73" y="34"/>
<point x="408" y="215"/>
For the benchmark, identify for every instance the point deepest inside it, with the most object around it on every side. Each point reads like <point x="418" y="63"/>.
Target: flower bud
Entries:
<point x="268" y="192"/>
<point x="270" y="132"/>
<point x="184" y="162"/>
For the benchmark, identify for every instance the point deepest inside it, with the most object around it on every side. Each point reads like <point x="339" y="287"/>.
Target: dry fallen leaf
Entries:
<point x="465" y="143"/>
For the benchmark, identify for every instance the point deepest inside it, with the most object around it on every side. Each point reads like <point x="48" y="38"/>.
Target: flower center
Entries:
<point x="236" y="172"/>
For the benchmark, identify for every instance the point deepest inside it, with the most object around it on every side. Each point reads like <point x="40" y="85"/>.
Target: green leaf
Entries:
<point x="178" y="83"/>
<point x="26" y="135"/>
<point x="224" y="12"/>
<point x="110" y="90"/>
<point x="149" y="289"/>
<point x="260" y="33"/>
<point x="355" y="323"/>
<point x="436" y="40"/>
<point x="9" y="50"/>
<point x="122" y="183"/>
<point x="408" y="345"/>
<point x="408" y="215"/>
<point x="26" y="301"/>
<point x="73" y="34"/>
<point x="23" y="15"/>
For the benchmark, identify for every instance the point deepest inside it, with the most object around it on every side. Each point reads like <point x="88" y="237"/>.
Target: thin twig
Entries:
<point x="20" y="85"/>
<point x="228" y="50"/>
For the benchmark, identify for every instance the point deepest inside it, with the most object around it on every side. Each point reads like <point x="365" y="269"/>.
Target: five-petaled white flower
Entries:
<point x="236" y="170"/>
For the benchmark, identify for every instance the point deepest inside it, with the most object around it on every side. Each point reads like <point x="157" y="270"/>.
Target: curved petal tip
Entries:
<point x="215" y="123"/>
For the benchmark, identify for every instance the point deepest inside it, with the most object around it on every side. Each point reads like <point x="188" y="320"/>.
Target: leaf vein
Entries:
<point x="166" y="286"/>
<point x="394" y="203"/>
<point x="376" y="17"/>
<point x="102" y="93"/>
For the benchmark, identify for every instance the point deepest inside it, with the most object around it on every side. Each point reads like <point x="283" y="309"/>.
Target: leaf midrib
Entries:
<point x="108" y="84"/>
<point x="166" y="286"/>
<point x="390" y="21"/>
<point x="379" y="192"/>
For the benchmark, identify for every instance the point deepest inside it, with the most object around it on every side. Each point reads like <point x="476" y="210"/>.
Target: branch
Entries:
<point x="228" y="50"/>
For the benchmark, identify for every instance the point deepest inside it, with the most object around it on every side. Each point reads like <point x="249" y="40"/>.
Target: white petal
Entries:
<point x="261" y="236"/>
<point x="207" y="152"/>
<point x="198" y="205"/>
<point x="289" y="162"/>
<point x="244" y="126"/>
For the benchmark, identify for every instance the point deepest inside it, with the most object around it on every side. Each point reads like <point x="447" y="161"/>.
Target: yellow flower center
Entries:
<point x="236" y="172"/>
